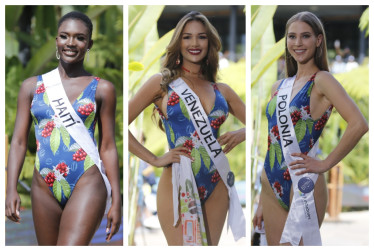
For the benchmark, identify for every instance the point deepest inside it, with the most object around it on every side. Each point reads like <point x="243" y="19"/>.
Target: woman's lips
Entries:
<point x="69" y="52"/>
<point x="194" y="51"/>
<point x="299" y="51"/>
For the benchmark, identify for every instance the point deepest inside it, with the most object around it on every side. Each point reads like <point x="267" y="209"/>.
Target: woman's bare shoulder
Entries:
<point x="28" y="85"/>
<point x="275" y="87"/>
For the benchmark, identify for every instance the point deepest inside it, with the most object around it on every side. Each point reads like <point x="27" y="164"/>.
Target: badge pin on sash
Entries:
<point x="305" y="185"/>
<point x="230" y="178"/>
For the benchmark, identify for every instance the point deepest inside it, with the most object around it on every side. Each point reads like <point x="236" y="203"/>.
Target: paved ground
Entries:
<point x="352" y="229"/>
<point x="23" y="234"/>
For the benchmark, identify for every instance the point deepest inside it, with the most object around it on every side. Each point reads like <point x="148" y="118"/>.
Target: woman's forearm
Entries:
<point x="136" y="148"/>
<point x="353" y="133"/>
<point x="16" y="158"/>
<point x="109" y="157"/>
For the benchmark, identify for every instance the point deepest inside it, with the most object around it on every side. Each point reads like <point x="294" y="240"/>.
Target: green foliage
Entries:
<point x="106" y="60"/>
<point x="364" y="22"/>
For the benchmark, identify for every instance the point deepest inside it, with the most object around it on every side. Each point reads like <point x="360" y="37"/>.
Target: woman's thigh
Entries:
<point x="275" y="216"/>
<point x="45" y="210"/>
<point x="165" y="210"/>
<point x="84" y="210"/>
<point x="215" y="211"/>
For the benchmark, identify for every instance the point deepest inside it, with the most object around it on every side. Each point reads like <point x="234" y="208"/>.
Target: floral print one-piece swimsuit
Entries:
<point x="59" y="159"/>
<point x="307" y="133"/>
<point x="181" y="132"/>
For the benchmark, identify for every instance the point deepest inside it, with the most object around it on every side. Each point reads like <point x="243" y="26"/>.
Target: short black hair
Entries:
<point x="79" y="16"/>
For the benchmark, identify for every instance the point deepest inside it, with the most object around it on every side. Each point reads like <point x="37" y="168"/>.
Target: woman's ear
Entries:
<point x="90" y="44"/>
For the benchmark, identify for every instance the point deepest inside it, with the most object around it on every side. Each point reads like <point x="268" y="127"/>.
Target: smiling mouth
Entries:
<point x="299" y="51"/>
<point x="194" y="51"/>
<point x="70" y="52"/>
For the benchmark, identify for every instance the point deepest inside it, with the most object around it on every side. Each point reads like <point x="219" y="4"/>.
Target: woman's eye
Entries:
<point x="306" y="36"/>
<point x="203" y="37"/>
<point x="186" y="37"/>
<point x="291" y="36"/>
<point x="63" y="36"/>
<point x="81" y="38"/>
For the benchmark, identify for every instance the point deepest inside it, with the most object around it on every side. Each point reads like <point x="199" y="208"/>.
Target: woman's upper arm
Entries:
<point x="23" y="117"/>
<point x="332" y="90"/>
<point x="107" y="96"/>
<point x="236" y="105"/>
<point x="145" y="96"/>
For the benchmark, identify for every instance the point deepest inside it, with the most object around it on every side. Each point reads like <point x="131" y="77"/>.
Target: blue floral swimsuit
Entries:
<point x="59" y="159"/>
<point x="307" y="133"/>
<point x="181" y="132"/>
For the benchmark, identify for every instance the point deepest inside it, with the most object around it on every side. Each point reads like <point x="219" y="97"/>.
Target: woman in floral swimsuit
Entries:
<point x="314" y="94"/>
<point x="192" y="55"/>
<point x="68" y="192"/>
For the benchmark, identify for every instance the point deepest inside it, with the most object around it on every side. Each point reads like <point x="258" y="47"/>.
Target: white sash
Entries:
<point x="236" y="219"/>
<point x="73" y="123"/>
<point x="302" y="220"/>
<point x="192" y="220"/>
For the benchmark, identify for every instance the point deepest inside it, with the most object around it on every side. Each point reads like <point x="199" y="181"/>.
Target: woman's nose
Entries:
<point x="298" y="41"/>
<point x="195" y="41"/>
<point x="71" y="41"/>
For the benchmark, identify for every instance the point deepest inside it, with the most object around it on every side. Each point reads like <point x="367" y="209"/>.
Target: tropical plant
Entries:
<point x="145" y="51"/>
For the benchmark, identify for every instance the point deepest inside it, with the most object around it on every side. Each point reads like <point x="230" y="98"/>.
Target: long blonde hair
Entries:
<point x="320" y="55"/>
<point x="209" y="66"/>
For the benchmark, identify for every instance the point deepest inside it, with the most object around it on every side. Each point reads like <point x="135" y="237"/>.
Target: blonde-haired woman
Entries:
<point x="297" y="113"/>
<point x="192" y="56"/>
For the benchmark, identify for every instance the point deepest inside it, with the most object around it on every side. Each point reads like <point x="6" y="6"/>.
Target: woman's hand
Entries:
<point x="114" y="221"/>
<point x="258" y="217"/>
<point x="231" y="139"/>
<point x="173" y="156"/>
<point x="308" y="165"/>
<point x="12" y="206"/>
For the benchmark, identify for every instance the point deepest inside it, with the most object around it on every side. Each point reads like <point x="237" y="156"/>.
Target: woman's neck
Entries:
<point x="68" y="70"/>
<point x="191" y="69"/>
<point x="306" y="69"/>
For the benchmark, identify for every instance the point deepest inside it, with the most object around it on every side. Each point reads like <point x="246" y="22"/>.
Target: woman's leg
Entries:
<point x="165" y="209"/>
<point x="215" y="211"/>
<point x="275" y="216"/>
<point x="84" y="210"/>
<point x="45" y="210"/>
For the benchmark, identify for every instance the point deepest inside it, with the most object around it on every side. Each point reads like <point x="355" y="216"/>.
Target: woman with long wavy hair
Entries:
<point x="191" y="60"/>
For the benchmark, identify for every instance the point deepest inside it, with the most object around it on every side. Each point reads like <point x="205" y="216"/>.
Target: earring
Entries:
<point x="57" y="54"/>
<point x="88" y="55"/>
<point x="178" y="61"/>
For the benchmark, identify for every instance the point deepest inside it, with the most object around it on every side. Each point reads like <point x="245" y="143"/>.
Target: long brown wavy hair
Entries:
<point x="320" y="55"/>
<point x="209" y="66"/>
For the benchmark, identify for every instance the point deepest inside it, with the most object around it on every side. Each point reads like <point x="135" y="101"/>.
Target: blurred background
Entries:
<point x="149" y="32"/>
<point x="346" y="27"/>
<point x="30" y="50"/>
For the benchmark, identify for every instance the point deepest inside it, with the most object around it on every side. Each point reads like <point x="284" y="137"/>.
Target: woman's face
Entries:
<point x="194" y="43"/>
<point x="73" y="40"/>
<point x="302" y="42"/>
